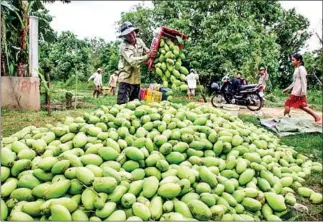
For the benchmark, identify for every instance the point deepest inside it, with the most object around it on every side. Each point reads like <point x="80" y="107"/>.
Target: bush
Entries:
<point x="271" y="98"/>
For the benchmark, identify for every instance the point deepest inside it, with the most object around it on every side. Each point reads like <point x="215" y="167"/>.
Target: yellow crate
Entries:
<point x="157" y="96"/>
<point x="149" y="92"/>
<point x="148" y="97"/>
<point x="153" y="96"/>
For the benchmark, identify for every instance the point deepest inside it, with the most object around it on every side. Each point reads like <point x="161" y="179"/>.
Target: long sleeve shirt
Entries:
<point x="299" y="85"/>
<point x="191" y="80"/>
<point x="131" y="57"/>
<point x="97" y="79"/>
<point x="113" y="80"/>
<point x="262" y="78"/>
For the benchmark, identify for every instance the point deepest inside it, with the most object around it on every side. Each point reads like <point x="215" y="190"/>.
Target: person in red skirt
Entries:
<point x="297" y="99"/>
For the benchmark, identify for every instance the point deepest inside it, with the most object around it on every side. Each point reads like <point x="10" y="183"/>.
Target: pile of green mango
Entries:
<point x="161" y="161"/>
<point x="168" y="65"/>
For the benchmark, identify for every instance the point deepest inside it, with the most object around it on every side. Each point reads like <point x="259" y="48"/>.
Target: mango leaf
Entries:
<point x="188" y="43"/>
<point x="180" y="40"/>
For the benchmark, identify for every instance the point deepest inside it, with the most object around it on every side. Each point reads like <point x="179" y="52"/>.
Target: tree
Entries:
<point x="228" y="36"/>
<point x="10" y="18"/>
<point x="67" y="56"/>
<point x="221" y="41"/>
<point x="292" y="33"/>
<point x="14" y="21"/>
<point x="313" y="63"/>
<point x="141" y="18"/>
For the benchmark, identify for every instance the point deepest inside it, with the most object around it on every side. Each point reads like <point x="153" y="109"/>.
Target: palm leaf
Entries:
<point x="29" y="6"/>
<point x="43" y="81"/>
<point x="8" y="5"/>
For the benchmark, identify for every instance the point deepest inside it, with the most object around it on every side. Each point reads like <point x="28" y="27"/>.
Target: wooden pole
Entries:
<point x="75" y="99"/>
<point x="49" y="111"/>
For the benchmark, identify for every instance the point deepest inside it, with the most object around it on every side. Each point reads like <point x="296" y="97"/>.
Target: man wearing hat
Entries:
<point x="97" y="79"/>
<point x="262" y="77"/>
<point x="113" y="82"/>
<point x="133" y="53"/>
<point x="191" y="79"/>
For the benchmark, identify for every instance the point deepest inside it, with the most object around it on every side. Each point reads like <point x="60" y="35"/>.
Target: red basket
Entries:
<point x="169" y="33"/>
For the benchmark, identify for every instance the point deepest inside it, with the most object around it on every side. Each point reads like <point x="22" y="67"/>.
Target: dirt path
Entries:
<point x="268" y="112"/>
<point x="276" y="112"/>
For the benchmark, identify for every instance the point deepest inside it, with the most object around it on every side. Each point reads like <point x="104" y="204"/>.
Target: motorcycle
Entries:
<point x="251" y="96"/>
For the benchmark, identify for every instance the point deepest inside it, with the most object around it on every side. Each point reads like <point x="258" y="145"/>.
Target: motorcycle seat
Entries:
<point x="244" y="87"/>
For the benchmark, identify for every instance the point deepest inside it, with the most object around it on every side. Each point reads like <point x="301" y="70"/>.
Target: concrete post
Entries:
<point x="33" y="46"/>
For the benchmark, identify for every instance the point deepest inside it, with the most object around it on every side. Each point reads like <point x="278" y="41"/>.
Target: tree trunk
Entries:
<point x="22" y="59"/>
<point x="3" y="66"/>
<point x="3" y="46"/>
<point x="69" y="99"/>
<point x="49" y="112"/>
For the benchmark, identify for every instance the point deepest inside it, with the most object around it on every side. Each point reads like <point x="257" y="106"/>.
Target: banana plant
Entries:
<point x="14" y="34"/>
<point x="7" y="12"/>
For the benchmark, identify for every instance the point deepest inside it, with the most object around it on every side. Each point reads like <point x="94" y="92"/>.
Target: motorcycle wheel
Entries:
<point x="256" y="102"/>
<point x="217" y="100"/>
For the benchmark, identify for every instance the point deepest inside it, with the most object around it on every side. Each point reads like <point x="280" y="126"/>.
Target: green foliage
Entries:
<point x="104" y="54"/>
<point x="140" y="17"/>
<point x="292" y="34"/>
<point x="70" y="81"/>
<point x="313" y="63"/>
<point x="66" y="56"/>
<point x="14" y="30"/>
<point x="227" y="36"/>
<point x="44" y="82"/>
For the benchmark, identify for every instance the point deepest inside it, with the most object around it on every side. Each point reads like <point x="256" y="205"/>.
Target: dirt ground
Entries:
<point x="268" y="112"/>
<point x="276" y="112"/>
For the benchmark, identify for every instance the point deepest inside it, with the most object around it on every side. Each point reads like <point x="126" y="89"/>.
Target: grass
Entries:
<point x="13" y="121"/>
<point x="96" y="102"/>
<point x="310" y="144"/>
<point x="250" y="119"/>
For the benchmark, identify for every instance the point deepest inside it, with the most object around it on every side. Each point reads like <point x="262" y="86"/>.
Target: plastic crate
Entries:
<point x="143" y="94"/>
<point x="153" y="96"/>
<point x="165" y="32"/>
<point x="149" y="92"/>
<point x="148" y="97"/>
<point x="157" y="96"/>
